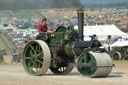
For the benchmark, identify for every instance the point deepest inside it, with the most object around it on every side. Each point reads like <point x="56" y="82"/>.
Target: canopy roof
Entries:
<point x="102" y="30"/>
<point x="120" y="44"/>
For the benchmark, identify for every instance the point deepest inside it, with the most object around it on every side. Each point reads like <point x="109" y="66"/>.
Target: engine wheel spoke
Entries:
<point x="28" y="58"/>
<point x="40" y="62"/>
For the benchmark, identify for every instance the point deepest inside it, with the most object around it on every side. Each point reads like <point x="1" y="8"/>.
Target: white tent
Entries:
<point x="102" y="31"/>
<point x="120" y="44"/>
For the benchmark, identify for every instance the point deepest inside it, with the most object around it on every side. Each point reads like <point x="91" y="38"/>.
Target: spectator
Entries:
<point x="109" y="40"/>
<point x="14" y="57"/>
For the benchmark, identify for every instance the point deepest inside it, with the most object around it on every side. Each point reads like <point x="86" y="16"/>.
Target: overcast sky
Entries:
<point x="41" y="4"/>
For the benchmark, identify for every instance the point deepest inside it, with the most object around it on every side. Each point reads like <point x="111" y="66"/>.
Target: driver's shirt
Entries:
<point x="42" y="28"/>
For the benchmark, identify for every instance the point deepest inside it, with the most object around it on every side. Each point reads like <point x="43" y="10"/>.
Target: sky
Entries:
<point x="43" y="4"/>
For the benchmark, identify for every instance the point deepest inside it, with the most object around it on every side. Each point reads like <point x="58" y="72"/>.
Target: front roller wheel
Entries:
<point x="36" y="57"/>
<point x="95" y="64"/>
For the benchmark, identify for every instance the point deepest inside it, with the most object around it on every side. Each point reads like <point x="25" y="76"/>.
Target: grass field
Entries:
<point x="3" y="63"/>
<point x="4" y="43"/>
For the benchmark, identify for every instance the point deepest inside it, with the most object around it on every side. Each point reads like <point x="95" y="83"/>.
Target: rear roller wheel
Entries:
<point x="62" y="70"/>
<point x="94" y="64"/>
<point x="36" y="57"/>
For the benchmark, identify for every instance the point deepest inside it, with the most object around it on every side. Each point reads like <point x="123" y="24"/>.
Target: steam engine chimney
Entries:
<point x="80" y="15"/>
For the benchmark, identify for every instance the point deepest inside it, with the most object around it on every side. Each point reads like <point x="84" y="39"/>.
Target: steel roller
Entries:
<point x="95" y="64"/>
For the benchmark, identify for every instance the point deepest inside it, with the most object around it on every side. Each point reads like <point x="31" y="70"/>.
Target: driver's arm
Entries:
<point x="49" y="31"/>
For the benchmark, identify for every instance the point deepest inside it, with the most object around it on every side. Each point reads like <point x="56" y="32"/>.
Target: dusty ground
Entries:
<point x="15" y="75"/>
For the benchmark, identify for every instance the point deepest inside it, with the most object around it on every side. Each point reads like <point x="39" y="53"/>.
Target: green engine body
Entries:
<point x="65" y="42"/>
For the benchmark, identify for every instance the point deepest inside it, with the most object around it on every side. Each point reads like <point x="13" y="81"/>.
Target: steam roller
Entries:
<point x="65" y="49"/>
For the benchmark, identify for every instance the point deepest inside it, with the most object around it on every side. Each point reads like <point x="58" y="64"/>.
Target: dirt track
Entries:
<point x="15" y="75"/>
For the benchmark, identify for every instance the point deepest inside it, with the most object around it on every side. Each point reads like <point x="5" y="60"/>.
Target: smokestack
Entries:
<point x="80" y="15"/>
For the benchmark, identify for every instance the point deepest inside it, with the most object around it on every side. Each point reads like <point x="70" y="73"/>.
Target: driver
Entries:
<point x="43" y="27"/>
